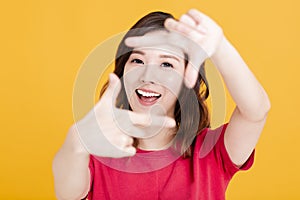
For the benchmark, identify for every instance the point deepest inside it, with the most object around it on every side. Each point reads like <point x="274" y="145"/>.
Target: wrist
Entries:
<point x="74" y="142"/>
<point x="221" y="50"/>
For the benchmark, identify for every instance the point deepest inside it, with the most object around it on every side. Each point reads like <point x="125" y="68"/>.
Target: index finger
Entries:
<point x="172" y="38"/>
<point x="145" y="41"/>
<point x="146" y="120"/>
<point x="141" y="125"/>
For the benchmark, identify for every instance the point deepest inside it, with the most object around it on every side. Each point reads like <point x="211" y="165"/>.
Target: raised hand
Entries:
<point x="107" y="131"/>
<point x="195" y="33"/>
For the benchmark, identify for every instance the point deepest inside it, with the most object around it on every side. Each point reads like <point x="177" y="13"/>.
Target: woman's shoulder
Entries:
<point x="213" y="134"/>
<point x="208" y="138"/>
<point x="210" y="145"/>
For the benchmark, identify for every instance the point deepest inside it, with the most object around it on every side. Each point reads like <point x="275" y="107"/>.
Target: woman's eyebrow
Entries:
<point x="170" y="56"/>
<point x="161" y="56"/>
<point x="138" y="52"/>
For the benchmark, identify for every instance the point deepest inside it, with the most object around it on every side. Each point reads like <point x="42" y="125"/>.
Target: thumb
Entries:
<point x="190" y="76"/>
<point x="114" y="87"/>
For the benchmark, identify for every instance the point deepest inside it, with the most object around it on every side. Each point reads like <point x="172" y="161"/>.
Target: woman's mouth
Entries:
<point x="147" y="97"/>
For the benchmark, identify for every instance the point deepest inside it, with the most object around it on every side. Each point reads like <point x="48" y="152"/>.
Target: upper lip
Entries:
<point x="147" y="92"/>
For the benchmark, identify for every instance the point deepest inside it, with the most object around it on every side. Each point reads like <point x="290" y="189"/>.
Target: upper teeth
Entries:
<point x="148" y="94"/>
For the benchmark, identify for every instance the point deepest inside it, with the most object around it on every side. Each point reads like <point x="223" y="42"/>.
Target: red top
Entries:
<point x="165" y="175"/>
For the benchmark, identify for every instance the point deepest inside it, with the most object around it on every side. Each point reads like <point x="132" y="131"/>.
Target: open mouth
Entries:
<point x="147" y="97"/>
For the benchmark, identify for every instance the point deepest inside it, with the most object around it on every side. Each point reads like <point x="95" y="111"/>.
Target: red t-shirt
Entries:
<point x="159" y="175"/>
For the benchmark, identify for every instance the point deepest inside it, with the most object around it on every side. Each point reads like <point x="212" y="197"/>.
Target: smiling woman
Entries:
<point x="154" y="77"/>
<point x="148" y="66"/>
<point x="149" y="135"/>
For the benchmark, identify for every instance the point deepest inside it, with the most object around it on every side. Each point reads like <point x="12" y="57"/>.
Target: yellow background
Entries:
<point x="44" y="42"/>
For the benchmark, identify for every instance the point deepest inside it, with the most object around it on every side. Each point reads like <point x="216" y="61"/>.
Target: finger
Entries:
<point x="145" y="120"/>
<point x="145" y="41"/>
<point x="142" y="131"/>
<point x="113" y="88"/>
<point x="180" y="27"/>
<point x="124" y="140"/>
<point x="130" y="151"/>
<point x="141" y="125"/>
<point x="171" y="38"/>
<point x="196" y="15"/>
<point x="130" y="141"/>
<point x="190" y="76"/>
<point x="187" y="20"/>
<point x="200" y="20"/>
<point x="127" y="140"/>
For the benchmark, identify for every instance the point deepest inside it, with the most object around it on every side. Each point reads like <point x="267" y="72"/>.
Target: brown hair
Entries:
<point x="193" y="110"/>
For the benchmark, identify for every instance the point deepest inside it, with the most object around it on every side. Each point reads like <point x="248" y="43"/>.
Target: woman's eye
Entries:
<point x="138" y="61"/>
<point x="166" y="64"/>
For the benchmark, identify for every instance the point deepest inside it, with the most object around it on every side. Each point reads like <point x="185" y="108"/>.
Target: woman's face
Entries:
<point x="153" y="76"/>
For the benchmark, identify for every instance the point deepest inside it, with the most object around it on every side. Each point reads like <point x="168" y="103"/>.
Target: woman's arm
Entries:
<point x="70" y="169"/>
<point x="252" y="103"/>
<point x="103" y="133"/>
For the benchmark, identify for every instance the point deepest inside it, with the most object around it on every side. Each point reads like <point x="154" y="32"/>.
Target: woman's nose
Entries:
<point x="148" y="75"/>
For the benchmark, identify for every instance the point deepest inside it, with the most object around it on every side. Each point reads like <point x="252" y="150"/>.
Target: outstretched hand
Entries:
<point x="195" y="33"/>
<point x="107" y="131"/>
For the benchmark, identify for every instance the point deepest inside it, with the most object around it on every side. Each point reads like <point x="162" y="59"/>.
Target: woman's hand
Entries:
<point x="195" y="33"/>
<point x="199" y="28"/>
<point x="107" y="131"/>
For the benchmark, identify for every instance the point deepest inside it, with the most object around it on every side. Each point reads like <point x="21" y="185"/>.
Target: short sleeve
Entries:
<point x="213" y="146"/>
<point x="227" y="164"/>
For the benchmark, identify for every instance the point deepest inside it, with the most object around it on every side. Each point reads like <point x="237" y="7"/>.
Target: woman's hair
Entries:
<point x="193" y="111"/>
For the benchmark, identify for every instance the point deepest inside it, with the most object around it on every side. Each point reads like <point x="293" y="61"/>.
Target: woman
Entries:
<point x="154" y="141"/>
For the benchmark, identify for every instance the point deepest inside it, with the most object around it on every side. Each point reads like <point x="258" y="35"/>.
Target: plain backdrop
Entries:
<point x="44" y="43"/>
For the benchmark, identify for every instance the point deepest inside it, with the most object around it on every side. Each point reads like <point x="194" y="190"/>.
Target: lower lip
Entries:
<point x="146" y="103"/>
